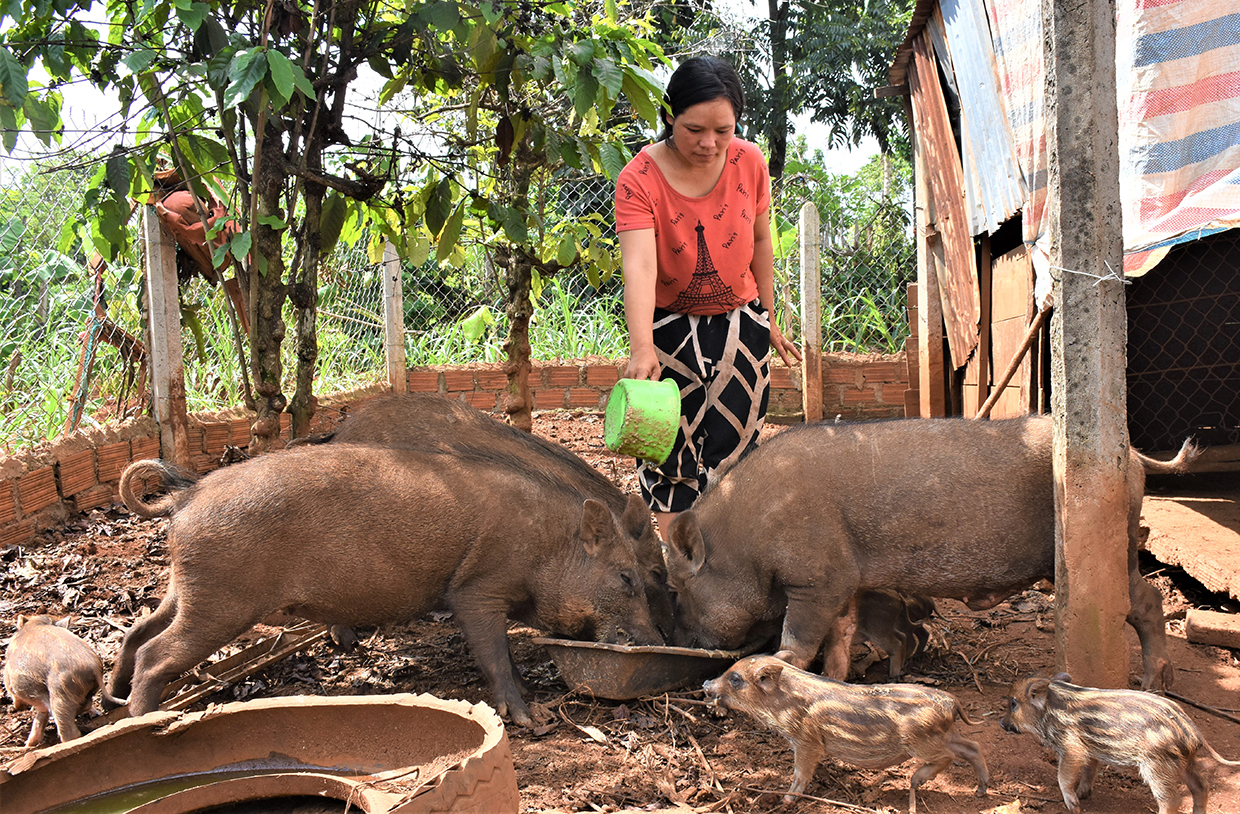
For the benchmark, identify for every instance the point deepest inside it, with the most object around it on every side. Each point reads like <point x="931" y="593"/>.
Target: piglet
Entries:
<point x="894" y="622"/>
<point x="871" y="726"/>
<point x="1088" y="726"/>
<point x="52" y="670"/>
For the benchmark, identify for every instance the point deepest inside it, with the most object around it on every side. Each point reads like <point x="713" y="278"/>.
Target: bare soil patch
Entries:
<point x="669" y="752"/>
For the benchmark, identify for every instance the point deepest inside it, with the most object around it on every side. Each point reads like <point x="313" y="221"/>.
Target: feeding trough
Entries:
<point x="621" y="672"/>
<point x="391" y="754"/>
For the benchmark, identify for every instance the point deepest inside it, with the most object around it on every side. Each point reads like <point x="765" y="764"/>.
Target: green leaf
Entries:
<point x="610" y="75"/>
<point x="515" y="227"/>
<point x="613" y="14"/>
<point x="139" y="60"/>
<point x="642" y="101"/>
<point x="10" y="233"/>
<point x="585" y="92"/>
<point x="442" y="16"/>
<point x="193" y="15"/>
<point x="492" y="12"/>
<point x="476" y="324"/>
<point x="451" y="232"/>
<point x="417" y="249"/>
<point x="438" y="206"/>
<point x="582" y="52"/>
<point x="12" y="79"/>
<point x="281" y="77"/>
<point x="118" y="172"/>
<point x="273" y="222"/>
<point x="239" y="245"/>
<point x="335" y="210"/>
<point x="44" y="119"/>
<point x="245" y="72"/>
<point x="612" y="159"/>
<point x="566" y="253"/>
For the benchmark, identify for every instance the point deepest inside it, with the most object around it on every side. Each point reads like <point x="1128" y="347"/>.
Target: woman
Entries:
<point x="692" y="213"/>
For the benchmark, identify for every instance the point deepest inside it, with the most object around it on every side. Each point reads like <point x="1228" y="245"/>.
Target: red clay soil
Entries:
<point x="670" y="752"/>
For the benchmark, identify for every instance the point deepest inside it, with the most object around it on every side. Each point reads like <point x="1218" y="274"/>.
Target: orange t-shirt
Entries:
<point x="704" y="245"/>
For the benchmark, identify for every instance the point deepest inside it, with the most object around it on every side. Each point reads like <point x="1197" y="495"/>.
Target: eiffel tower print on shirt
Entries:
<point x="705" y="287"/>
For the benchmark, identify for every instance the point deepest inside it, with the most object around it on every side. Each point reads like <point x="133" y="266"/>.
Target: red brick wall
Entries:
<point x="43" y="487"/>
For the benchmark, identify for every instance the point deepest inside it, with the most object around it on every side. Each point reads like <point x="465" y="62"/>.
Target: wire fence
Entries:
<point x="73" y="334"/>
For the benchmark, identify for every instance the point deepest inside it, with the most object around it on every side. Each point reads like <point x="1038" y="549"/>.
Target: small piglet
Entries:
<point x="873" y="726"/>
<point x="1088" y="726"/>
<point x="894" y="622"/>
<point x="52" y="670"/>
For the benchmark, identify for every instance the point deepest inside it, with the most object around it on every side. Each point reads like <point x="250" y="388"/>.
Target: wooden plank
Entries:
<point x="930" y="364"/>
<point x="1013" y="285"/>
<point x="985" y="373"/>
<point x="1008" y="335"/>
<point x="945" y="177"/>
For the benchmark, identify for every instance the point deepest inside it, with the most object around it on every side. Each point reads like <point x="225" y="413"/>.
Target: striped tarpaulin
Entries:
<point x="1178" y="92"/>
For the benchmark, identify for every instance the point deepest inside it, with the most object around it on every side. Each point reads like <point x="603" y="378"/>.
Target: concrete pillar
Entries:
<point x="394" y="320"/>
<point x="1088" y="338"/>
<point x="811" y="314"/>
<point x="163" y="306"/>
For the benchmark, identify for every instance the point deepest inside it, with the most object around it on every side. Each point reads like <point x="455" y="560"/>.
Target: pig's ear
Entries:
<point x="1062" y="677"/>
<point x="768" y="676"/>
<point x="596" y="526"/>
<point x="22" y="619"/>
<point x="1037" y="694"/>
<point x="686" y="540"/>
<point x="64" y="621"/>
<point x="636" y="517"/>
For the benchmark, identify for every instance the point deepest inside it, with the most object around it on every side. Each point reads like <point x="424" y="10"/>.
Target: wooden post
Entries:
<point x="394" y="320"/>
<point x="931" y="371"/>
<point x="811" y="314"/>
<point x="164" y="316"/>
<point x="1088" y="342"/>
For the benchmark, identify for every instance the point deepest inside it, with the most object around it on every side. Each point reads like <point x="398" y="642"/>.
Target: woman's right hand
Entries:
<point x="643" y="364"/>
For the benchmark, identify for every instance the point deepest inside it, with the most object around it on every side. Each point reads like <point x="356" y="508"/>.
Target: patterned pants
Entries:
<point x="722" y="365"/>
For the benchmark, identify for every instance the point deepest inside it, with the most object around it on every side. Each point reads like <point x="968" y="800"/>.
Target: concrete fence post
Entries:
<point x="811" y="314"/>
<point x="163" y="304"/>
<point x="394" y="320"/>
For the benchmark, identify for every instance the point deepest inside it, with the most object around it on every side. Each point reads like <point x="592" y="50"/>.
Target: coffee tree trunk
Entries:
<point x="305" y="298"/>
<point x="267" y="293"/>
<point x="518" y="404"/>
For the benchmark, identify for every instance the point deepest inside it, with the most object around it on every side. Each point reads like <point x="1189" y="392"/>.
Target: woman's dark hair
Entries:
<point x="702" y="79"/>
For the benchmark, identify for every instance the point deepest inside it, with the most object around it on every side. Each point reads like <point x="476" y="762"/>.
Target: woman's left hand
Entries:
<point x="785" y="347"/>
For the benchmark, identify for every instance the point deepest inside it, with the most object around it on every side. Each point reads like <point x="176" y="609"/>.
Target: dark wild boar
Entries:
<point x="363" y="535"/>
<point x="438" y="424"/>
<point x="939" y="507"/>
<point x="894" y="622"/>
<point x="49" y="668"/>
<point x="871" y="726"/>
<point x="1089" y="726"/>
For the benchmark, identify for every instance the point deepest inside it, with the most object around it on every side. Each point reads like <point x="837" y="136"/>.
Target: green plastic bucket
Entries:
<point x="642" y="418"/>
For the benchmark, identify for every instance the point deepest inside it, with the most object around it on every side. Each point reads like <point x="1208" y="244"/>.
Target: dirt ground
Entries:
<point x="669" y="752"/>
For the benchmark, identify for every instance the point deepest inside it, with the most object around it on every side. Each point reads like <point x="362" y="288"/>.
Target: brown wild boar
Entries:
<point x="939" y="507"/>
<point x="49" y="668"/>
<point x="362" y="535"/>
<point x="437" y="424"/>
<point x="894" y="622"/>
<point x="871" y="726"/>
<point x="1088" y="726"/>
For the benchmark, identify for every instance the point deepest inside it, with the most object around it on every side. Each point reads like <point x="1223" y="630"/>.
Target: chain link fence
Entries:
<point x="1184" y="347"/>
<point x="73" y="348"/>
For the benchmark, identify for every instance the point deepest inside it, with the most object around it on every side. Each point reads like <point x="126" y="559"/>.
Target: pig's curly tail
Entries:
<point x="1178" y="465"/>
<point x="166" y="476"/>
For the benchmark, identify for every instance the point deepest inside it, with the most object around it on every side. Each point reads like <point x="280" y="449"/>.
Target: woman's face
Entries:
<point x="702" y="132"/>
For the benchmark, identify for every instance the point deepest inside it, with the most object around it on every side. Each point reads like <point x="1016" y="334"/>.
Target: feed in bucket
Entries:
<point x="642" y="418"/>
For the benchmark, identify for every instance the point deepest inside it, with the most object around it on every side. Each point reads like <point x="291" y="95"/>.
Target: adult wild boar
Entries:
<point x="939" y="507"/>
<point x="434" y="423"/>
<point x="361" y="535"/>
